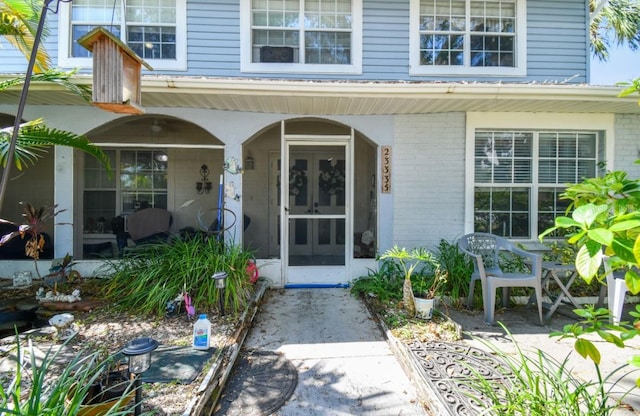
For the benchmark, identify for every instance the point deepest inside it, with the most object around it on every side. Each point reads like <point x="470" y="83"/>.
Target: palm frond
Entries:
<point x="22" y="18"/>
<point x="619" y="22"/>
<point x="34" y="139"/>
<point x="56" y="76"/>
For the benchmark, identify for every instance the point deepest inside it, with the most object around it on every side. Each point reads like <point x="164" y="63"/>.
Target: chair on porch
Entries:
<point x="484" y="249"/>
<point x="145" y="226"/>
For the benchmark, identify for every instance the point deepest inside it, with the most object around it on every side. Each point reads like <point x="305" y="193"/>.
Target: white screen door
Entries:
<point x="315" y="209"/>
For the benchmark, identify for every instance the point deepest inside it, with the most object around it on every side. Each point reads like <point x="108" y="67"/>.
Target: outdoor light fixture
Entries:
<point x="220" y="278"/>
<point x="204" y="185"/>
<point x="138" y="352"/>
<point x="249" y="163"/>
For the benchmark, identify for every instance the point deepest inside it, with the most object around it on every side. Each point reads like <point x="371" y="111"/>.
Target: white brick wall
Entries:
<point x="428" y="179"/>
<point x="627" y="144"/>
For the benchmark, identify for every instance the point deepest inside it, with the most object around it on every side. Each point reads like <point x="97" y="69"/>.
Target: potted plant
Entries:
<point x="41" y="386"/>
<point x="409" y="261"/>
<point x="425" y="289"/>
<point x="110" y="388"/>
<point x="35" y="220"/>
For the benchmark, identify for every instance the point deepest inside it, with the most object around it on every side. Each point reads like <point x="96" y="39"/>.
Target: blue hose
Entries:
<point x="316" y="286"/>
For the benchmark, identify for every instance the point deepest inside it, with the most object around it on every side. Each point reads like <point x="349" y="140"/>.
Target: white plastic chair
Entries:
<point x="616" y="291"/>
<point x="484" y="250"/>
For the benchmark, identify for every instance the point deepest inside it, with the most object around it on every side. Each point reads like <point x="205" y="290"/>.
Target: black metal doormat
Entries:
<point x="447" y="369"/>
<point x="261" y="382"/>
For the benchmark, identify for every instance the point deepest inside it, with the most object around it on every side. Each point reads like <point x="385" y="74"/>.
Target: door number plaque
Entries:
<point x="386" y="169"/>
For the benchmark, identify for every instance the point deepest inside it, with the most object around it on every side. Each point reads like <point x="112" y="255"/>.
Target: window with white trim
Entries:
<point x="468" y="37"/>
<point x="321" y="36"/>
<point x="153" y="29"/>
<point x="138" y="181"/>
<point x="519" y="176"/>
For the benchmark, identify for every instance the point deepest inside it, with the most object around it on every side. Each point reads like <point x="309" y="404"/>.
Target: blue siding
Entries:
<point x="213" y="38"/>
<point x="557" y="42"/>
<point x="385" y="40"/>
<point x="557" y="45"/>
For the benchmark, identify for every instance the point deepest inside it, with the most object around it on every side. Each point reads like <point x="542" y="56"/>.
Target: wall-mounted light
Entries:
<point x="204" y="185"/>
<point x="249" y="163"/>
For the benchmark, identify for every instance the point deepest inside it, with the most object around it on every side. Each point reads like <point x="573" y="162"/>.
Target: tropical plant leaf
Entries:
<point x="635" y="361"/>
<point x="587" y="349"/>
<point x="611" y="338"/>
<point x="601" y="235"/>
<point x="632" y="280"/>
<point x="587" y="264"/>
<point x="587" y="214"/>
<point x="566" y="222"/>
<point x="624" y="249"/>
<point x="574" y="239"/>
<point x="624" y="225"/>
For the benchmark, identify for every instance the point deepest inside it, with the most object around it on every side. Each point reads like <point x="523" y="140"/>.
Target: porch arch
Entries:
<point x="158" y="161"/>
<point x="260" y="199"/>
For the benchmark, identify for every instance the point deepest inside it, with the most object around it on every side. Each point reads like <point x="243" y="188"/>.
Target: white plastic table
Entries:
<point x="563" y="275"/>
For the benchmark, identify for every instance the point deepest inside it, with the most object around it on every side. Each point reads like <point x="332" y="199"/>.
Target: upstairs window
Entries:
<point x="322" y="36"/>
<point x="153" y="29"/>
<point x="468" y="37"/>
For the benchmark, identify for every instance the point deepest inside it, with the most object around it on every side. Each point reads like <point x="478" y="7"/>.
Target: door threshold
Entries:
<point x="316" y="285"/>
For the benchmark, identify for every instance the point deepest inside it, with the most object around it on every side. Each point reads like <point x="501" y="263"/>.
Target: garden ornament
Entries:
<point x="188" y="305"/>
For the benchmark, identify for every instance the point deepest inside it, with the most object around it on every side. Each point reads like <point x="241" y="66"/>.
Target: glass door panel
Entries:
<point x="317" y="209"/>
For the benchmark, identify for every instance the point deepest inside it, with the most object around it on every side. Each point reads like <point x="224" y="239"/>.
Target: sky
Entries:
<point x="623" y="65"/>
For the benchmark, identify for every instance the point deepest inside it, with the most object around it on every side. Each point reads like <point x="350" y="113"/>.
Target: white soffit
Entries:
<point x="353" y="98"/>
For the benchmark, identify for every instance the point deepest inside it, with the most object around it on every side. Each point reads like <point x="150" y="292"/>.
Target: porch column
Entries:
<point x="234" y="150"/>
<point x="63" y="196"/>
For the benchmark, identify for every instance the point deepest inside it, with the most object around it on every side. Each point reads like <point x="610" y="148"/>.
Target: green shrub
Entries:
<point x="457" y="266"/>
<point x="147" y="279"/>
<point x="385" y="283"/>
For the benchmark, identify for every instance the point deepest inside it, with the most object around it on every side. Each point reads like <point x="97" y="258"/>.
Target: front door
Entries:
<point x="315" y="210"/>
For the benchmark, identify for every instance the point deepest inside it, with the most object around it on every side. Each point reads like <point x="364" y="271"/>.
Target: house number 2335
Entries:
<point x="386" y="169"/>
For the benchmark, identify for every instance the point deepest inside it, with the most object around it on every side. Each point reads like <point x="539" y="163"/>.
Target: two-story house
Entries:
<point x="359" y="124"/>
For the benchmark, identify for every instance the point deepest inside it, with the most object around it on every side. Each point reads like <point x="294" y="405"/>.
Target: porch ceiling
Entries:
<point x="353" y="98"/>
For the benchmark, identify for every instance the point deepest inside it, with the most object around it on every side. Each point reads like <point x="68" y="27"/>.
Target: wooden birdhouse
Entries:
<point x="116" y="73"/>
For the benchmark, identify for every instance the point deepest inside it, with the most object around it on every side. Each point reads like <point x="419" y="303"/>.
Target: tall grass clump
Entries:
<point x="537" y="384"/>
<point x="41" y="386"/>
<point x="457" y="266"/>
<point x="147" y="279"/>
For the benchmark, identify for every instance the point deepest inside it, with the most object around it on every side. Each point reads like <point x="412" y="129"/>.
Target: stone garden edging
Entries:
<point x="434" y="403"/>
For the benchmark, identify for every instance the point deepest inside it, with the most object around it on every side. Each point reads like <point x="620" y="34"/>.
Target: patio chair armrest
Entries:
<point x="477" y="259"/>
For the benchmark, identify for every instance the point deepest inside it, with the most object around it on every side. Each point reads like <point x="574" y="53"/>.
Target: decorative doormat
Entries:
<point x="260" y="383"/>
<point x="448" y="367"/>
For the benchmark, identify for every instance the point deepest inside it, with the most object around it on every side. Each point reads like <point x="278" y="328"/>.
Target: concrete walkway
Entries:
<point x="345" y="366"/>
